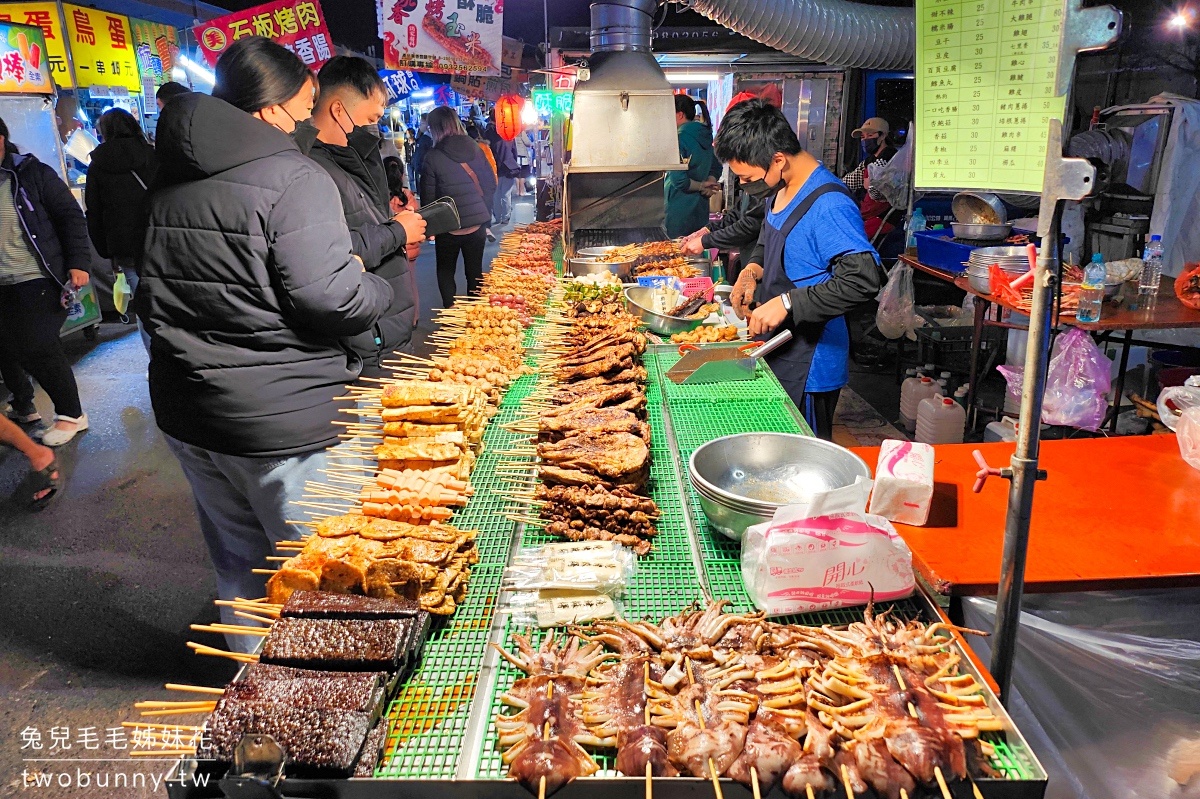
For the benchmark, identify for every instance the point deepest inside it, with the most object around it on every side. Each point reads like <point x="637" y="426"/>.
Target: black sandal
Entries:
<point x="43" y="480"/>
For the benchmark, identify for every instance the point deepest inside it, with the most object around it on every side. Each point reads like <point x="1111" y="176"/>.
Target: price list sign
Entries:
<point x="985" y="92"/>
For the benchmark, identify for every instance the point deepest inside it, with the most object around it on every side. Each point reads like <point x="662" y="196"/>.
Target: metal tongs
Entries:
<point x="716" y="363"/>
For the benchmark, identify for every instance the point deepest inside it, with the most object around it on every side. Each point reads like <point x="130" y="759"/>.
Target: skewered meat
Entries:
<point x="594" y="421"/>
<point x="611" y="455"/>
<point x="608" y="363"/>
<point x="598" y="399"/>
<point x="598" y="498"/>
<point x="640" y="546"/>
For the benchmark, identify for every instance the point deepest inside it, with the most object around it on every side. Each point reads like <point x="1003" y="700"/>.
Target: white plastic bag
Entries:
<point x="892" y="179"/>
<point x="826" y="554"/>
<point x="897" y="316"/>
<point x="1175" y="400"/>
<point x="1188" y="434"/>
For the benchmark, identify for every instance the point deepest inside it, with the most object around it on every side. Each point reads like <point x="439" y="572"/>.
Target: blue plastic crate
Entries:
<point x="937" y="248"/>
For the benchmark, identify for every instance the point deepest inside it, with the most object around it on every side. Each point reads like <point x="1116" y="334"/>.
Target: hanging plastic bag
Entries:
<point x="1076" y="386"/>
<point x="1188" y="434"/>
<point x="897" y="316"/>
<point x="121" y="293"/>
<point x="891" y="180"/>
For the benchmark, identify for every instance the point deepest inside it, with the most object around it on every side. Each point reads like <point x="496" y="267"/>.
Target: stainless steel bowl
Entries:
<point x="661" y="324"/>
<point x="594" y="252"/>
<point x="767" y="470"/>
<point x="590" y="266"/>
<point x="981" y="282"/>
<point x="728" y="520"/>
<point x="1002" y="253"/>
<point x="981" y="232"/>
<point x="978" y="208"/>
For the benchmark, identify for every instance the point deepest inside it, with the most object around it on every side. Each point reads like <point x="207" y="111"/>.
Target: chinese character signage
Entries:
<point x="548" y="101"/>
<point x="44" y="16"/>
<point x="102" y="48"/>
<point x="299" y="25"/>
<point x="490" y="88"/>
<point x="985" y="92"/>
<point x="400" y="83"/>
<point x="448" y="36"/>
<point x="24" y="68"/>
<point x="157" y="49"/>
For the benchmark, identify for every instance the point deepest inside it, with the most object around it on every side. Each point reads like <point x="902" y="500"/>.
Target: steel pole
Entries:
<point x="1025" y="461"/>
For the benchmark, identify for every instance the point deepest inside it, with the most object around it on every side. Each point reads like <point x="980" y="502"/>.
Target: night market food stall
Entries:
<point x="513" y="582"/>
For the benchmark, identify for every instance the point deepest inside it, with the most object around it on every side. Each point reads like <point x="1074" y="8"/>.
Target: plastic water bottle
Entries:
<point x="916" y="223"/>
<point x="912" y="391"/>
<point x="1091" y="295"/>
<point x="1152" y="258"/>
<point x="940" y="420"/>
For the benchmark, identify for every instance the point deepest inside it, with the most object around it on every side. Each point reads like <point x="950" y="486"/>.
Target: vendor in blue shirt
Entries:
<point x="813" y="261"/>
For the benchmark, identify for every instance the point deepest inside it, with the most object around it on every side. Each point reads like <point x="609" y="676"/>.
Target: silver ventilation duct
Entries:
<point x="834" y="32"/>
<point x="623" y="135"/>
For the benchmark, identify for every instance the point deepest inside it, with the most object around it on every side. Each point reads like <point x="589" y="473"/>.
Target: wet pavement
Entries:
<point x="97" y="591"/>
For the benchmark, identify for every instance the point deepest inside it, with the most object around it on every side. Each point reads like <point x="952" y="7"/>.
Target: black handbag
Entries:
<point x="441" y="216"/>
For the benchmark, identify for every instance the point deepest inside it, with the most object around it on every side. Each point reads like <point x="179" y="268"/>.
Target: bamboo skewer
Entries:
<point x="194" y="689"/>
<point x="941" y="781"/>
<point x="846" y="782"/>
<point x="241" y="657"/>
<point x="230" y="629"/>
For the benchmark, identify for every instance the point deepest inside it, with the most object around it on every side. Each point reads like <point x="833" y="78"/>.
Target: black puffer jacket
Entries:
<point x="247" y="285"/>
<point x="358" y="173"/>
<point x="443" y="175"/>
<point x="117" y="203"/>
<point x="53" y="221"/>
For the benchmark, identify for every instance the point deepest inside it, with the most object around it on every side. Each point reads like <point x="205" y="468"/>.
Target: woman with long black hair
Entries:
<point x="247" y="285"/>
<point x="44" y="256"/>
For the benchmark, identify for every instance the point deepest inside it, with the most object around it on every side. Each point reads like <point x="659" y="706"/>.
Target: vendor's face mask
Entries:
<point x="764" y="186"/>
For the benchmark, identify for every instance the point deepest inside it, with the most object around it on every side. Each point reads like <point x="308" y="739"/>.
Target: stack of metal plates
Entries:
<point x="1010" y="259"/>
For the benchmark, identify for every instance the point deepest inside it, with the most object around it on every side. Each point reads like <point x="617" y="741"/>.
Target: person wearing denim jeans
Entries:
<point x="243" y="504"/>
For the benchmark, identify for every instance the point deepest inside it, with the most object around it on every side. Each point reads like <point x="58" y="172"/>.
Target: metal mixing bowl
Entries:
<point x="590" y="266"/>
<point x="978" y="208"/>
<point x="661" y="324"/>
<point x="594" y="252"/>
<point x="728" y="520"/>
<point x="756" y="473"/>
<point x="981" y="232"/>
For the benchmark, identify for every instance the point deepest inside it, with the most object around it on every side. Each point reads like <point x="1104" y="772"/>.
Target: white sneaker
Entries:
<point x="56" y="437"/>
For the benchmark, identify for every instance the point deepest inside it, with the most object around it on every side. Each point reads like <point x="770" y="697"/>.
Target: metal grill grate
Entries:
<point x="616" y="237"/>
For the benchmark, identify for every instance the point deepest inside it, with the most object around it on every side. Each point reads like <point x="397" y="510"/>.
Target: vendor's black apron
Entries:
<point x="791" y="362"/>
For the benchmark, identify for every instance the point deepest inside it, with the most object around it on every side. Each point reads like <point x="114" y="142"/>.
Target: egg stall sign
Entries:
<point x="102" y="48"/>
<point x="44" y="16"/>
<point x="298" y="25"/>
<point x="458" y="37"/>
<point x="23" y="65"/>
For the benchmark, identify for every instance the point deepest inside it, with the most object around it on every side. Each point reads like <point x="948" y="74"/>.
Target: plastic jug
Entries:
<point x="912" y="391"/>
<point x="1003" y="430"/>
<point x="940" y="420"/>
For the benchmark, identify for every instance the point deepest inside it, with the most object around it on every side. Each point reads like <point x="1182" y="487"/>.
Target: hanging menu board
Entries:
<point x="985" y="92"/>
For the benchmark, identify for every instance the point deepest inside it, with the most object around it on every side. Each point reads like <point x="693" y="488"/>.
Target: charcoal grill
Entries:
<point x="616" y="237"/>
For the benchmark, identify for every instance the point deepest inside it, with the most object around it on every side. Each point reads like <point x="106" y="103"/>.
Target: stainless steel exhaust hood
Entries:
<point x="623" y="136"/>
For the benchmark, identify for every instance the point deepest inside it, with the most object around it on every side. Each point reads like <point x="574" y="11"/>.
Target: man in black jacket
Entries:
<point x="347" y="146"/>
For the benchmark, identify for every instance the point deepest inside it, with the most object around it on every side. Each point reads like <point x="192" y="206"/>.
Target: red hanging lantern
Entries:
<point x="508" y="116"/>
